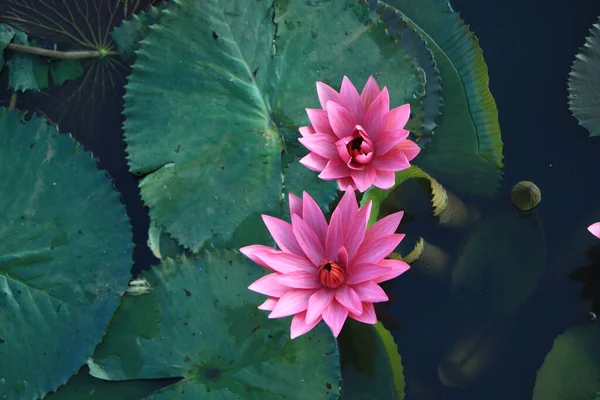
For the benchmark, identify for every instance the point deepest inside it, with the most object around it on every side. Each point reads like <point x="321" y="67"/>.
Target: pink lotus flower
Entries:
<point x="326" y="271"/>
<point x="595" y="229"/>
<point x="357" y="139"/>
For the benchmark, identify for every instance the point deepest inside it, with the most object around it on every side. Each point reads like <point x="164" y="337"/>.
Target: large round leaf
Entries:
<point x="233" y="75"/>
<point x="584" y="83"/>
<point x="571" y="369"/>
<point x="200" y="322"/>
<point x="466" y="152"/>
<point x="65" y="256"/>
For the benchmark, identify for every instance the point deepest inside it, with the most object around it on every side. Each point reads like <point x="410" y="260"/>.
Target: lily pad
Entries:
<point x="584" y="83"/>
<point x="6" y="36"/>
<point x="571" y="369"/>
<point x="371" y="365"/>
<point x="65" y="256"/>
<point x="26" y="71"/>
<point x="65" y="70"/>
<point x="234" y="75"/>
<point x="502" y="260"/>
<point x="85" y="386"/>
<point x="200" y="323"/>
<point x="466" y="153"/>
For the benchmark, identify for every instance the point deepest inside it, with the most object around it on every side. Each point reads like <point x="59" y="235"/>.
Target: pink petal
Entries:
<point x="387" y="140"/>
<point x="295" y="205"/>
<point x="348" y="298"/>
<point x="346" y="183"/>
<point x="300" y="279"/>
<point x="335" y="236"/>
<point x="334" y="316"/>
<point x="397" y="268"/>
<point x="397" y="117"/>
<point x="410" y="149"/>
<point x="354" y="233"/>
<point x="384" y="179"/>
<point x="393" y="160"/>
<point x="327" y="93"/>
<point x="384" y="227"/>
<point x="351" y="100"/>
<point x="308" y="241"/>
<point x="370" y="292"/>
<point x="268" y="285"/>
<point x="369" y="92"/>
<point x="313" y="216"/>
<point x="347" y="207"/>
<point x="342" y="256"/>
<point x="364" y="178"/>
<point x="323" y="144"/>
<point x="283" y="262"/>
<point x="368" y="315"/>
<point x="319" y="120"/>
<point x="342" y="122"/>
<point x="595" y="229"/>
<point x="269" y="304"/>
<point x="372" y="252"/>
<point x="314" y="162"/>
<point x="318" y="302"/>
<point x="292" y="302"/>
<point x="283" y="235"/>
<point x="300" y="327"/>
<point x="334" y="169"/>
<point x="251" y="252"/>
<point x="306" y="130"/>
<point x="360" y="273"/>
<point x="375" y="116"/>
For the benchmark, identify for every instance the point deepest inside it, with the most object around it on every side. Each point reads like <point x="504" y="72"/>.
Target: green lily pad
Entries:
<point x="161" y="244"/>
<point x="200" y="323"/>
<point x="7" y="33"/>
<point x="371" y="365"/>
<point x="234" y="75"/>
<point x="502" y="260"/>
<point x="584" y="83"/>
<point x="131" y="32"/>
<point x="84" y="386"/>
<point x="26" y="71"/>
<point x="571" y="369"/>
<point x="65" y="256"/>
<point x="466" y="153"/>
<point x="64" y="70"/>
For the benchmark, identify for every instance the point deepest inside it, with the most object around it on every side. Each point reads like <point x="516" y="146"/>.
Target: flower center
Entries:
<point x="354" y="146"/>
<point x="331" y="274"/>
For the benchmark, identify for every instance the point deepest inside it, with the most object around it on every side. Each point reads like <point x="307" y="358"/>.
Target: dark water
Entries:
<point x="529" y="46"/>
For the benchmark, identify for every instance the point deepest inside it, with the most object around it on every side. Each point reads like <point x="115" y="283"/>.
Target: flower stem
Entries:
<point x="63" y="55"/>
<point x="13" y="101"/>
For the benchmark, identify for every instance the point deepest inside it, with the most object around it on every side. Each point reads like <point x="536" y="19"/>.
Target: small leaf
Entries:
<point x="7" y="33"/>
<point x="64" y="70"/>
<point x="26" y="71"/>
<point x="201" y="323"/>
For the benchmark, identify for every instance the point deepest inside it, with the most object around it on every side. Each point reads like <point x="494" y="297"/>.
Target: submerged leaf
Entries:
<point x="201" y="323"/>
<point x="7" y="33"/>
<point x="584" y="83"/>
<point x="571" y="369"/>
<point x="64" y="70"/>
<point x="234" y="76"/>
<point x="65" y="256"/>
<point x="26" y="71"/>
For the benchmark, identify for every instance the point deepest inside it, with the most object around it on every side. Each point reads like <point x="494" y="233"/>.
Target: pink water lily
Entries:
<point x="356" y="139"/>
<point x="326" y="271"/>
<point x="595" y="229"/>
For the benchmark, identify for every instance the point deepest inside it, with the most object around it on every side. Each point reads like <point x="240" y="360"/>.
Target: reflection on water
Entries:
<point x="490" y="292"/>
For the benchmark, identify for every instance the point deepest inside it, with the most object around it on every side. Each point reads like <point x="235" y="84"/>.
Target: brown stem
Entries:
<point x="13" y="101"/>
<point x="64" y="55"/>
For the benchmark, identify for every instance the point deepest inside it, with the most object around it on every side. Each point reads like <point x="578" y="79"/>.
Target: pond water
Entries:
<point x="525" y="272"/>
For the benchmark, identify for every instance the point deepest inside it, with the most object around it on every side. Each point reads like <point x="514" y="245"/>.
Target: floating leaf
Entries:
<point x="571" y="369"/>
<point x="6" y="36"/>
<point x="584" y="83"/>
<point x="466" y="154"/>
<point x="210" y="150"/>
<point x="26" y="71"/>
<point x="84" y="386"/>
<point x="161" y="244"/>
<point x="131" y="32"/>
<point x="371" y="365"/>
<point x="64" y="70"/>
<point x="200" y="323"/>
<point x="65" y="256"/>
<point x="503" y="259"/>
